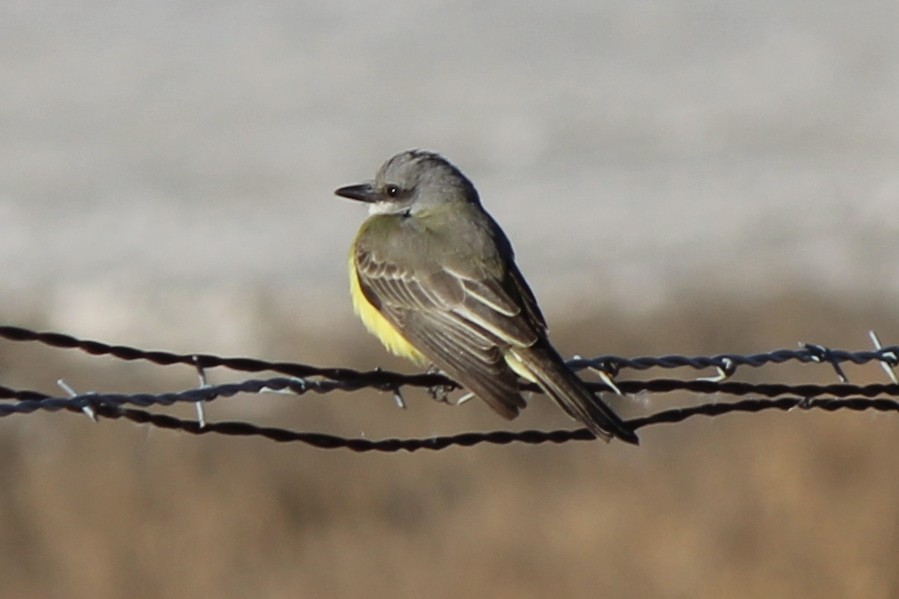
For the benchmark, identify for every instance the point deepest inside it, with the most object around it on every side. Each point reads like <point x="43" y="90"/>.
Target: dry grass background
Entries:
<point x="157" y="157"/>
<point x="775" y="505"/>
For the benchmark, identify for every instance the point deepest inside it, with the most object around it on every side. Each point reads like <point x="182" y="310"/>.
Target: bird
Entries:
<point x="434" y="278"/>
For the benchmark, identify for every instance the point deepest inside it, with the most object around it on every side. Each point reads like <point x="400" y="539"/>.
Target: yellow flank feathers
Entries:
<point x="377" y="325"/>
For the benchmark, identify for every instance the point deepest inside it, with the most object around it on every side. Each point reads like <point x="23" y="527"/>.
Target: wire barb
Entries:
<point x="889" y="359"/>
<point x="86" y="408"/>
<point x="820" y="353"/>
<point x="201" y="373"/>
<point x="725" y="370"/>
<point x="398" y="399"/>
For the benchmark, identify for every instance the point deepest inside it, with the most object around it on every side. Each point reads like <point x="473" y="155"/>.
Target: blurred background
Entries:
<point x="692" y="177"/>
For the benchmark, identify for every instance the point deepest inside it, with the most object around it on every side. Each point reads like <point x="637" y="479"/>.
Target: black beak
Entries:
<point x="364" y="192"/>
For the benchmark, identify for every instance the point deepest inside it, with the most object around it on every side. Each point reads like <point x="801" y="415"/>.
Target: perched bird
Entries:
<point x="434" y="278"/>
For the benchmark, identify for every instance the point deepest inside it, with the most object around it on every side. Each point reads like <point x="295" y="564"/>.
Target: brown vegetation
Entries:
<point x="796" y="504"/>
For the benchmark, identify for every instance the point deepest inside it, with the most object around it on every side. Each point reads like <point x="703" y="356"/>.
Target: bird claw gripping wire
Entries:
<point x="440" y="393"/>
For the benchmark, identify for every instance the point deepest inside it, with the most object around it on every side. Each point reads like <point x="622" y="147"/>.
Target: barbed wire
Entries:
<point x="534" y="437"/>
<point x="305" y="378"/>
<point x="728" y="363"/>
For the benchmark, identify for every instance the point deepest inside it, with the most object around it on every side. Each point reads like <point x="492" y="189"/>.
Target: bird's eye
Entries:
<point x="392" y="191"/>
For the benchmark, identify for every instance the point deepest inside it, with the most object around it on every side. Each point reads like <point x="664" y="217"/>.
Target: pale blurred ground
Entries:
<point x="689" y="177"/>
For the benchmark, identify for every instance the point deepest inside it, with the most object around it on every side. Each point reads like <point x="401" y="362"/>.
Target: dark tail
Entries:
<point x="560" y="383"/>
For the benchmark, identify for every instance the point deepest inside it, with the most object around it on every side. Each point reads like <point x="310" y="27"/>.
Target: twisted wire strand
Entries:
<point x="302" y="386"/>
<point x="726" y="363"/>
<point x="530" y="437"/>
<point x="303" y="379"/>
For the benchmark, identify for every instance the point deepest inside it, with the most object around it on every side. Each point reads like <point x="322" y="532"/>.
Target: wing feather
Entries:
<point x="481" y="369"/>
<point x="460" y="324"/>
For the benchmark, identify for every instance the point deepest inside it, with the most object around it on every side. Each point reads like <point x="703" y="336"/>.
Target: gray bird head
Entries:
<point x="413" y="181"/>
